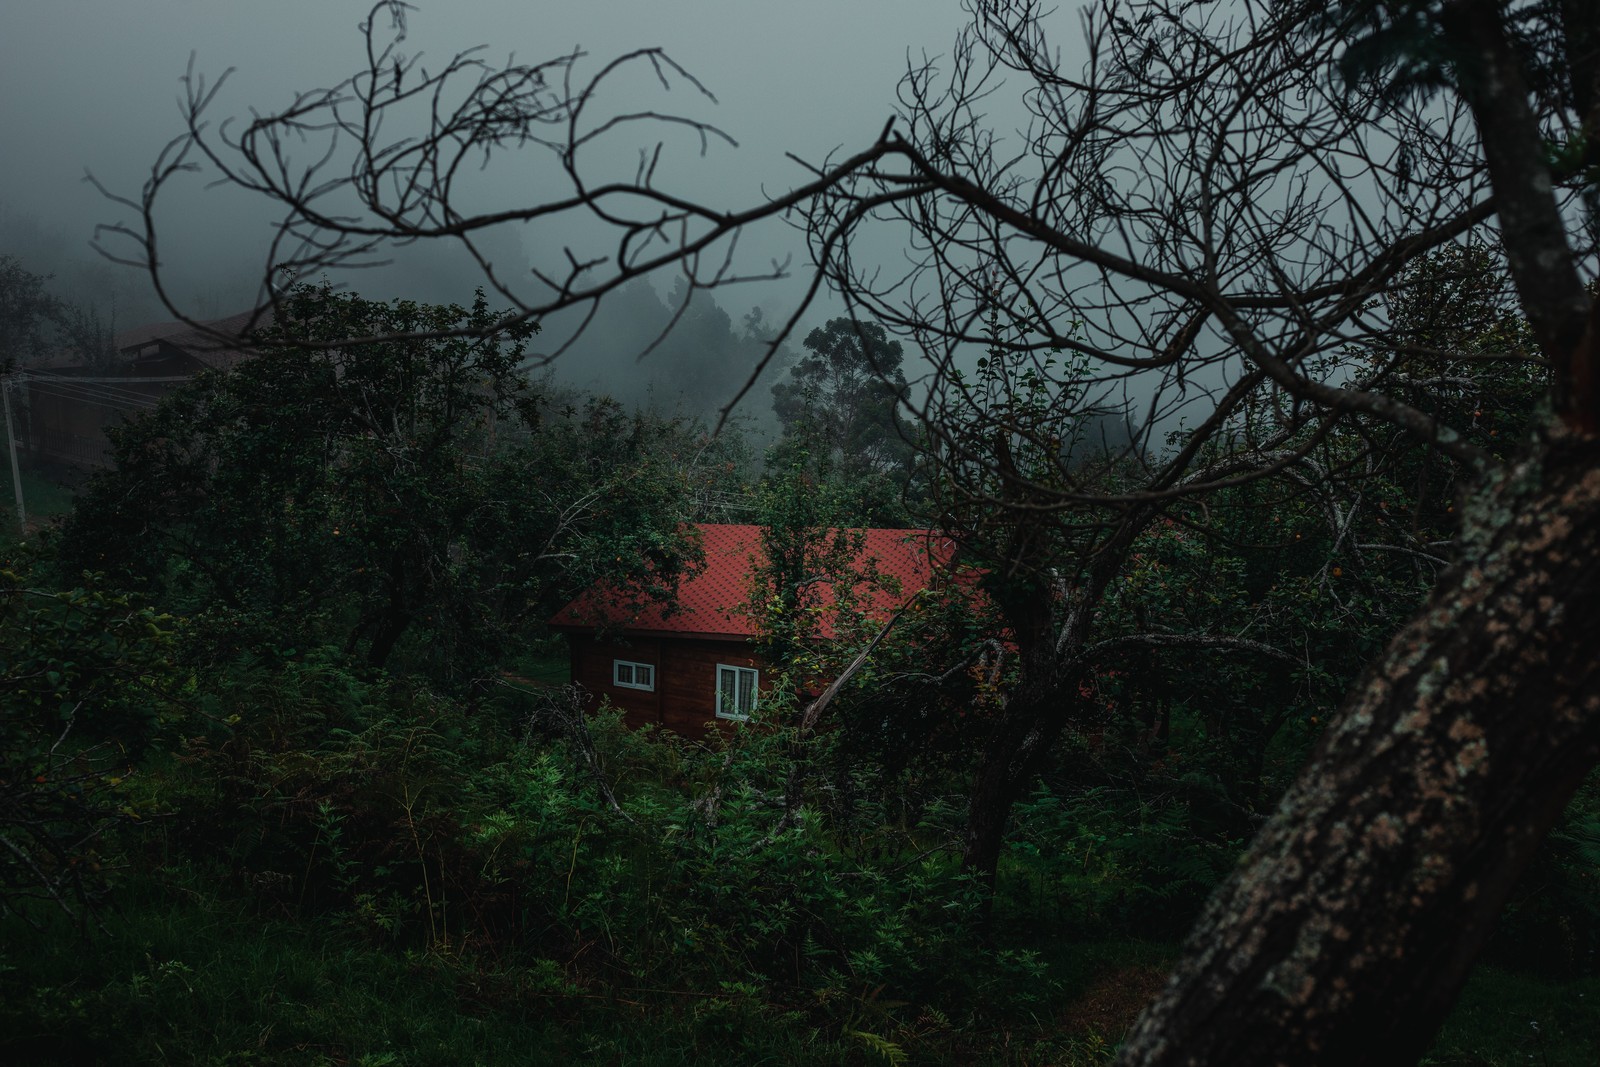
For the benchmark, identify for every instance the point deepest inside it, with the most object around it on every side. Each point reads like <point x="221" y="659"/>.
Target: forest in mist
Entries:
<point x="1141" y="610"/>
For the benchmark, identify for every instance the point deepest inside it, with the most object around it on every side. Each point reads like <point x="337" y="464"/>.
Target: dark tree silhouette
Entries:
<point x="1202" y="223"/>
<point x="30" y="316"/>
<point x="846" y="394"/>
<point x="385" y="170"/>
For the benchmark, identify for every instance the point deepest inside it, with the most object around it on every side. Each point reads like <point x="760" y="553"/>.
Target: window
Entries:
<point x="736" y="692"/>
<point x="630" y="675"/>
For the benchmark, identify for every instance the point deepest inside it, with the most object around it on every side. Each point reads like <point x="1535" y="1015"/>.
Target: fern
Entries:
<point x="886" y="1050"/>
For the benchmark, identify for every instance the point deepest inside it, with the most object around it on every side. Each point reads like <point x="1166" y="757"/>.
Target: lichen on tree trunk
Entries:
<point x="1348" y="929"/>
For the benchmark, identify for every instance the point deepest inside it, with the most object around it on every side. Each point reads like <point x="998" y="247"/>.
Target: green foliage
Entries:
<point x="410" y="498"/>
<point x="337" y="864"/>
<point x="192" y="975"/>
<point x="45" y="498"/>
<point x="840" y="405"/>
<point x="29" y="314"/>
<point x="1100" y="857"/>
<point x="340" y="867"/>
<point x="1460" y="349"/>
<point x="1552" y="924"/>
<point x="85" y="679"/>
<point x="391" y="814"/>
<point x="1506" y="1017"/>
<point x="811" y="581"/>
<point x="1322" y="562"/>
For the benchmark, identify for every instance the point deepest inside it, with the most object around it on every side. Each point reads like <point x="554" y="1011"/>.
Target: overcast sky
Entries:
<point x="94" y="84"/>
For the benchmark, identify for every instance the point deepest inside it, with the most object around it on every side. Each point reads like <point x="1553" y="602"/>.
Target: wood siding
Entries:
<point x="685" y="694"/>
<point x="66" y="422"/>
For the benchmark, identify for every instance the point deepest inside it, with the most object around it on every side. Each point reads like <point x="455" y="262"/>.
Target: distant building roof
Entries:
<point x="712" y="603"/>
<point x="218" y="344"/>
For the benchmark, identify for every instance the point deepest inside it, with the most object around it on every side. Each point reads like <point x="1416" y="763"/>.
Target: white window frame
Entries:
<point x="633" y="672"/>
<point x="755" y="691"/>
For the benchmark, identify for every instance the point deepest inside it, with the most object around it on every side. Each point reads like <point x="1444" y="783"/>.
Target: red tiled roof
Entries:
<point x="712" y="602"/>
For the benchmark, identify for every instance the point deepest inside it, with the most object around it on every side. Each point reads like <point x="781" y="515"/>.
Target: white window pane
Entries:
<point x="747" y="691"/>
<point x="646" y="676"/>
<point x="624" y="674"/>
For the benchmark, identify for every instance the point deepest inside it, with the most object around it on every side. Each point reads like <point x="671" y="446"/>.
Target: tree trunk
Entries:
<point x="385" y="636"/>
<point x="993" y="795"/>
<point x="1013" y="755"/>
<point x="394" y="618"/>
<point x="1046" y="630"/>
<point x="1349" y="928"/>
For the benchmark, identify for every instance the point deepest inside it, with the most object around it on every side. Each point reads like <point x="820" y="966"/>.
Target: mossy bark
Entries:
<point x="1348" y="929"/>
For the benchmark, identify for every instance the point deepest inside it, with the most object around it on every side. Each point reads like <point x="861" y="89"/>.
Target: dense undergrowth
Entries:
<point x="312" y="866"/>
<point x="287" y="775"/>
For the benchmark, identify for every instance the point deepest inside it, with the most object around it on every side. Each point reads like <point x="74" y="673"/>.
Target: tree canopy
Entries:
<point x="843" y="402"/>
<point x="370" y="491"/>
<point x="1215" y="231"/>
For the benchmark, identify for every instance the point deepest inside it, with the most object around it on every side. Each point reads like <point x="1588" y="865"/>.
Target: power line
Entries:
<point x="97" y="391"/>
<point x="38" y="376"/>
<point x="98" y="397"/>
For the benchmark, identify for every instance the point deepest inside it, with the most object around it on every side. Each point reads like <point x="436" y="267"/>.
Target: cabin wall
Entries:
<point x="685" y="696"/>
<point x="65" y="421"/>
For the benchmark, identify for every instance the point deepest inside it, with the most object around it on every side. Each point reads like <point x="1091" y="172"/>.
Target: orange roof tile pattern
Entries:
<point x="712" y="603"/>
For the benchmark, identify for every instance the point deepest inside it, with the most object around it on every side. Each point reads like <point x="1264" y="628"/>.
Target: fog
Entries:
<point x="93" y="86"/>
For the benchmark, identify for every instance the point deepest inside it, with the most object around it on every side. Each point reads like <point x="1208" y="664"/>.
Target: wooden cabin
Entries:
<point x="69" y="403"/>
<point x="690" y="663"/>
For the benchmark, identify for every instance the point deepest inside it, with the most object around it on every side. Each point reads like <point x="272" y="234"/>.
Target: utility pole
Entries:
<point x="11" y="446"/>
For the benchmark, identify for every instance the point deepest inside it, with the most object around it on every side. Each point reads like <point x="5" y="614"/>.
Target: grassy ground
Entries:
<point x="547" y="664"/>
<point x="185" y="975"/>
<point x="45" y="495"/>
<point x="1505" y="1018"/>
<point x="188" y="979"/>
